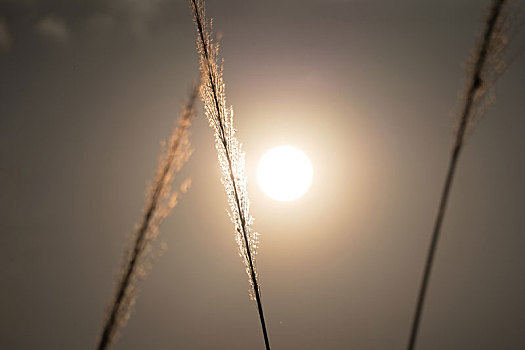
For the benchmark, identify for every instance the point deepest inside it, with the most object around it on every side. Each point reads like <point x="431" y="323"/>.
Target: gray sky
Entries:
<point x="368" y="89"/>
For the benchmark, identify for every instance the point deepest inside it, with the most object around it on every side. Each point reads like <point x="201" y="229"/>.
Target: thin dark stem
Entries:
<point x="253" y="276"/>
<point x="110" y="327"/>
<point x="475" y="85"/>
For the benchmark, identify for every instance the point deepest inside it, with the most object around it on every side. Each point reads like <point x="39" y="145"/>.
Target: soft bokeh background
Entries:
<point x="368" y="89"/>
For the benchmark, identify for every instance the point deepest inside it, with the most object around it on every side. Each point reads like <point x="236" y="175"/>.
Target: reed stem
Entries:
<point x="476" y="83"/>
<point x="120" y="306"/>
<point x="223" y="135"/>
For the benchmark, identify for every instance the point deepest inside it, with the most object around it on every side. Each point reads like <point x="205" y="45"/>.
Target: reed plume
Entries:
<point x="159" y="202"/>
<point x="229" y="153"/>
<point x="484" y="67"/>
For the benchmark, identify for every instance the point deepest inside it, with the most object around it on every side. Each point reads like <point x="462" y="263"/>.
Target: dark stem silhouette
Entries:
<point x="476" y="83"/>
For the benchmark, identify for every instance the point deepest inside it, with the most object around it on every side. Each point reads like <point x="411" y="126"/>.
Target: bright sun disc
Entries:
<point x="284" y="173"/>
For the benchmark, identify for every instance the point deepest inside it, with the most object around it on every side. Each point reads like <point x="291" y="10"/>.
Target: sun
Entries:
<point x="284" y="173"/>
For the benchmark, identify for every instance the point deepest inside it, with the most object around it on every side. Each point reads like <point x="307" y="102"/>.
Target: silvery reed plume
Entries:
<point x="159" y="202"/>
<point x="229" y="153"/>
<point x="483" y="68"/>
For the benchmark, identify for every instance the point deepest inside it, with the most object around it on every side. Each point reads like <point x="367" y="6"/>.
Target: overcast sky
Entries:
<point x="367" y="89"/>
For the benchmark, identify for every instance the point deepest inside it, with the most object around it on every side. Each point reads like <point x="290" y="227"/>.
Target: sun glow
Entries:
<point x="284" y="173"/>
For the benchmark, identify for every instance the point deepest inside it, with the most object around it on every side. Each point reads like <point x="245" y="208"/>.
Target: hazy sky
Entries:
<point x="368" y="89"/>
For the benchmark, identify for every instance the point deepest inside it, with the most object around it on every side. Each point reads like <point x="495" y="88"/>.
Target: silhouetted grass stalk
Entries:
<point x="229" y="153"/>
<point x="159" y="203"/>
<point x="484" y="68"/>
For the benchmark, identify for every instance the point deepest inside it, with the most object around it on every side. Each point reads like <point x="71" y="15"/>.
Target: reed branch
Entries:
<point x="477" y="83"/>
<point x="159" y="202"/>
<point x="231" y="158"/>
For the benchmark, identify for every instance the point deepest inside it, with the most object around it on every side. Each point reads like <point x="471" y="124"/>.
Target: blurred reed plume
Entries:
<point x="159" y="202"/>
<point x="229" y="152"/>
<point x="484" y="67"/>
